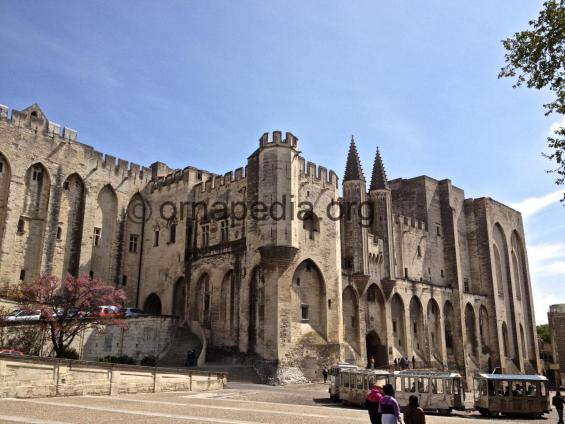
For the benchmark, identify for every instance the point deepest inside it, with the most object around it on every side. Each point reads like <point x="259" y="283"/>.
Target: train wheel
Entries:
<point x="483" y="412"/>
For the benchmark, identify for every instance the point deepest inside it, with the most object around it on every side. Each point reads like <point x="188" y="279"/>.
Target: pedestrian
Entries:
<point x="413" y="413"/>
<point x="413" y="362"/>
<point x="372" y="361"/>
<point x="558" y="402"/>
<point x="388" y="406"/>
<point x="325" y="374"/>
<point x="395" y="364"/>
<point x="372" y="402"/>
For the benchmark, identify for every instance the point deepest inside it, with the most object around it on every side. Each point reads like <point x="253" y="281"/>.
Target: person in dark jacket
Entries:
<point x="413" y="413"/>
<point x="558" y="402"/>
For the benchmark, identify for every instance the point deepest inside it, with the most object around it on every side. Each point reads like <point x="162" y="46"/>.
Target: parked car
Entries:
<point x="107" y="312"/>
<point x="132" y="312"/>
<point x="11" y="352"/>
<point x="21" y="315"/>
<point x="71" y="313"/>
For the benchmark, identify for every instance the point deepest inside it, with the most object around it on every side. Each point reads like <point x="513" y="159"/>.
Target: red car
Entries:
<point x="107" y="312"/>
<point x="11" y="352"/>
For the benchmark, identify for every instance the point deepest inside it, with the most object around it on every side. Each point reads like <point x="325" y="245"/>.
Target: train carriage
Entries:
<point x="511" y="394"/>
<point x="334" y="377"/>
<point x="354" y="385"/>
<point x="437" y="391"/>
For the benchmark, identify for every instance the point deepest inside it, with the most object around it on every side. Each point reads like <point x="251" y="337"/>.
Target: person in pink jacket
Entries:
<point x="372" y="403"/>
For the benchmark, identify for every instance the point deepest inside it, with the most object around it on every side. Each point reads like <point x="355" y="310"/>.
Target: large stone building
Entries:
<point x="270" y="260"/>
<point x="556" y="321"/>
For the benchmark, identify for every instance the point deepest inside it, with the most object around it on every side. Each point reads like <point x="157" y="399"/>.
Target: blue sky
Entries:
<point x="197" y="83"/>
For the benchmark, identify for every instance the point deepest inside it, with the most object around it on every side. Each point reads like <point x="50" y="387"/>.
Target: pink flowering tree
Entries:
<point x="69" y="306"/>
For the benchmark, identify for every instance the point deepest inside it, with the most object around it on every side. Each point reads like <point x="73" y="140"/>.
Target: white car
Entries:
<point x="132" y="312"/>
<point x="24" y="316"/>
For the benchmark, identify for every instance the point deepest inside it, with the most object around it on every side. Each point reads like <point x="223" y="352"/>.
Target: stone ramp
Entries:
<point x="183" y="341"/>
<point x="236" y="372"/>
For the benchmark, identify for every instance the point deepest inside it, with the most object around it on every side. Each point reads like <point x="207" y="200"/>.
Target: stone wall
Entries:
<point x="26" y="377"/>
<point x="135" y="337"/>
<point x="556" y="318"/>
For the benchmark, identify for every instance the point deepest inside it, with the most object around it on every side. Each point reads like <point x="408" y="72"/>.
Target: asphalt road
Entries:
<point x="240" y="403"/>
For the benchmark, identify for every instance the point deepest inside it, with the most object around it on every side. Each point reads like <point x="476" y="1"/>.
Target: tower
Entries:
<point x="381" y="201"/>
<point x="355" y="215"/>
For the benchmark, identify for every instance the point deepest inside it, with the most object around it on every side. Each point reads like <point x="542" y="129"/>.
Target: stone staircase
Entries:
<point x="242" y="373"/>
<point x="183" y="341"/>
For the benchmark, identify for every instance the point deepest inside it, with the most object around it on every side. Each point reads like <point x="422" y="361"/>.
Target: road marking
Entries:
<point x="291" y="405"/>
<point x="131" y="412"/>
<point x="28" y="420"/>
<point x="232" y="408"/>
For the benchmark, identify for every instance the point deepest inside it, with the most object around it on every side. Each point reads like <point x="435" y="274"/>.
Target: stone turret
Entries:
<point x="355" y="222"/>
<point x="382" y="221"/>
<point x="378" y="177"/>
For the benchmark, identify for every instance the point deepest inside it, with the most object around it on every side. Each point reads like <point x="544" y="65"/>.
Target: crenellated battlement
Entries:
<point x="409" y="222"/>
<point x="218" y="182"/>
<point x="34" y="119"/>
<point x="317" y="173"/>
<point x="275" y="138"/>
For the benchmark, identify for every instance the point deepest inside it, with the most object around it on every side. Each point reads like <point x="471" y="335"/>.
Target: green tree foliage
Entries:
<point x="536" y="58"/>
<point x="543" y="333"/>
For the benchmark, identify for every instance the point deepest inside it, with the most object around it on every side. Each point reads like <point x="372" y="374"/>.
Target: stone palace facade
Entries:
<point x="387" y="268"/>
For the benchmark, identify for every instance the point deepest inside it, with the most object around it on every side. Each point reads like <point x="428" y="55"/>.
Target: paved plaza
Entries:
<point x="240" y="403"/>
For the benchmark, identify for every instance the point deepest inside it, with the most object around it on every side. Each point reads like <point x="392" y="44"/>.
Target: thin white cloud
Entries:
<point x="556" y="125"/>
<point x="547" y="263"/>
<point x="532" y="205"/>
<point x="542" y="301"/>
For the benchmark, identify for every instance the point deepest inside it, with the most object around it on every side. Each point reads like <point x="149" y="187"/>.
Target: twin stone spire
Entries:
<point x="354" y="170"/>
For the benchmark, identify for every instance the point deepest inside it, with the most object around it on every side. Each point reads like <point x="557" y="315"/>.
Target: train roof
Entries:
<point x="367" y="371"/>
<point x="344" y="365"/>
<point x="424" y="373"/>
<point x="515" y="377"/>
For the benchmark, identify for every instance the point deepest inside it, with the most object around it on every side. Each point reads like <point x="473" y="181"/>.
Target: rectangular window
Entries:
<point x="124" y="280"/>
<point x="59" y="233"/>
<point x="173" y="233"/>
<point x="304" y="313"/>
<point x="22" y="275"/>
<point x="156" y="241"/>
<point x="21" y="226"/>
<point x="97" y="234"/>
<point x="441" y="272"/>
<point x="133" y="243"/>
<point x="415" y="327"/>
<point x="205" y="235"/>
<point x="394" y="326"/>
<point x="438" y="232"/>
<point x="406" y="273"/>
<point x="466" y="286"/>
<point x="353" y="322"/>
<point x="224" y="231"/>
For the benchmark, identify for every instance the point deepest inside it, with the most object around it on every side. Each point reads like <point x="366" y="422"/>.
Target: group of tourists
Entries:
<point x="402" y="363"/>
<point x="383" y="407"/>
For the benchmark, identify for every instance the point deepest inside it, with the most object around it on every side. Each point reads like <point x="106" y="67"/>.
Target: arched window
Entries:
<point x="311" y="224"/>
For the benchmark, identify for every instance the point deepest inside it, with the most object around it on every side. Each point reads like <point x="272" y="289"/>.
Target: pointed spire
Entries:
<point x="353" y="169"/>
<point x="378" y="178"/>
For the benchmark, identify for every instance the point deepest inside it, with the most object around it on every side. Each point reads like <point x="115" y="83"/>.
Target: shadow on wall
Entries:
<point x="140" y="337"/>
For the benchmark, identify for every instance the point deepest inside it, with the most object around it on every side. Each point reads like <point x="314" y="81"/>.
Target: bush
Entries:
<point x="70" y="353"/>
<point x="123" y="359"/>
<point x="149" y="361"/>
